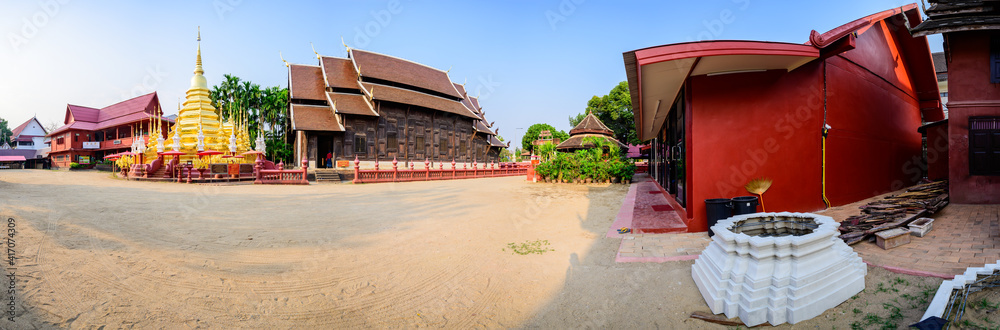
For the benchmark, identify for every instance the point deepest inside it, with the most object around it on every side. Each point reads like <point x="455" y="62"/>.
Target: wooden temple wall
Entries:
<point x="405" y="132"/>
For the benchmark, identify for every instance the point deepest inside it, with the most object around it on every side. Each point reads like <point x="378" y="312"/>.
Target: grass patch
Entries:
<point x="529" y="247"/>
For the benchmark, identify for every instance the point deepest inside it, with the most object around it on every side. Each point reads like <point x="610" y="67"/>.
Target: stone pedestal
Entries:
<point x="777" y="268"/>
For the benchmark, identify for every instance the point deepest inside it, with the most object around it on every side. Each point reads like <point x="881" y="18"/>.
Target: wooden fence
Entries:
<point x="427" y="173"/>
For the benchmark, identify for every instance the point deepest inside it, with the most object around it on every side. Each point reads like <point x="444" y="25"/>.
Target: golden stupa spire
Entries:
<point x="197" y="63"/>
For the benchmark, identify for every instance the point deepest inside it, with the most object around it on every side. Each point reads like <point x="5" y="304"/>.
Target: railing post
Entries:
<point x="427" y="169"/>
<point x="357" y="170"/>
<point x="453" y="168"/>
<point x="258" y="168"/>
<point x="305" y="170"/>
<point x="395" y="170"/>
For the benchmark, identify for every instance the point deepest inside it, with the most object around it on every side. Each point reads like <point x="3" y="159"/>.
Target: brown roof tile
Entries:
<point x="482" y="128"/>
<point x="405" y="96"/>
<point x="353" y="104"/>
<point x="494" y="142"/>
<point x="576" y="142"/>
<point x="314" y="118"/>
<point x="306" y="82"/>
<point x="402" y="71"/>
<point x="340" y="72"/>
<point x="590" y="124"/>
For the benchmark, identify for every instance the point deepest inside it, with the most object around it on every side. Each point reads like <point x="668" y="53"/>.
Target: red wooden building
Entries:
<point x="89" y="134"/>
<point x="968" y="142"/>
<point x="831" y="121"/>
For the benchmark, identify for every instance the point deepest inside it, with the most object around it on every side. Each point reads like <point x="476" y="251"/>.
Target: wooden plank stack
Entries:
<point x="895" y="211"/>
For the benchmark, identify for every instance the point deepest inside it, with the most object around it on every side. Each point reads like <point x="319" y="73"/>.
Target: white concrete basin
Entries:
<point x="777" y="268"/>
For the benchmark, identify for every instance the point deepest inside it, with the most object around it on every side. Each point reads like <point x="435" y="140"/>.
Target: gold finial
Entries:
<point x="345" y="44"/>
<point x="465" y="82"/>
<point x="314" y="50"/>
<point x="197" y="64"/>
<point x="282" y="59"/>
<point x="449" y="69"/>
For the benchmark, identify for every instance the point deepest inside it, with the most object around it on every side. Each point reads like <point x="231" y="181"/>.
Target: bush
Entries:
<point x="600" y="163"/>
<point x="77" y="166"/>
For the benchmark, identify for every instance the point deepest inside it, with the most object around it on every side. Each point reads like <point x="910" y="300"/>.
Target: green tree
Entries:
<point x="575" y="120"/>
<point x="615" y="110"/>
<point x="264" y="110"/>
<point x="5" y="133"/>
<point x="532" y="134"/>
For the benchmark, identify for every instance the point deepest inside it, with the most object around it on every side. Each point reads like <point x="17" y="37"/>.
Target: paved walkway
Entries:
<point x="962" y="236"/>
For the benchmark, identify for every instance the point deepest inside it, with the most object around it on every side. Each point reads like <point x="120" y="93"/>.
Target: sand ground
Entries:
<point x="100" y="253"/>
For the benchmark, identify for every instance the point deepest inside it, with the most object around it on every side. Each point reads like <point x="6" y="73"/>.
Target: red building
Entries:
<point x="89" y="134"/>
<point x="971" y="153"/>
<point x="831" y="121"/>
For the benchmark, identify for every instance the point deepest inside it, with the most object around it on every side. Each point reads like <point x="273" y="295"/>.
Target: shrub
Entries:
<point x="75" y="165"/>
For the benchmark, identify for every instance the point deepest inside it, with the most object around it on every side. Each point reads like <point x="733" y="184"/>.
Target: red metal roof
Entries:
<point x="663" y="80"/>
<point x="128" y="107"/>
<point x="81" y="113"/>
<point x="124" y="112"/>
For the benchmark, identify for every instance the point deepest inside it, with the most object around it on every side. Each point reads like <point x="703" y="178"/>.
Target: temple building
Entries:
<point x="831" y="121"/>
<point x="89" y="134"/>
<point x="371" y="106"/>
<point x="590" y="126"/>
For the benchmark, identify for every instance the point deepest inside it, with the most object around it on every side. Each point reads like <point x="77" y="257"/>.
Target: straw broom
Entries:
<point x="757" y="187"/>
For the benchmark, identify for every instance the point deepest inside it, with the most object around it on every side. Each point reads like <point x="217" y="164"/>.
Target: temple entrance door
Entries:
<point x="324" y="145"/>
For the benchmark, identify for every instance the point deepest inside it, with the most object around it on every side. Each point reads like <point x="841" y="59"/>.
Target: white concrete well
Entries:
<point x="777" y="268"/>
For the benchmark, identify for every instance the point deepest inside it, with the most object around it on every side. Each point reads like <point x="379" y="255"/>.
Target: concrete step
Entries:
<point x="327" y="176"/>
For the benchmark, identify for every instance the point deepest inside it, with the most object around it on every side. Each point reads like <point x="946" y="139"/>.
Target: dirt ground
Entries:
<point x="95" y="252"/>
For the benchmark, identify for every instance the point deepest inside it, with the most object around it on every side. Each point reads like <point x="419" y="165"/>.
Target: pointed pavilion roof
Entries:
<point x="590" y="126"/>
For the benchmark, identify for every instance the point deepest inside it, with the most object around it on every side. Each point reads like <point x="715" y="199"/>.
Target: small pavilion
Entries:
<point x="590" y="126"/>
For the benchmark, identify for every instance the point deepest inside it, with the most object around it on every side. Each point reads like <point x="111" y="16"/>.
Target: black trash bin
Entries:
<point x="717" y="209"/>
<point x="744" y="205"/>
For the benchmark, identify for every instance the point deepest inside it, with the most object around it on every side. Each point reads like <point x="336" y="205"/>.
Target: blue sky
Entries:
<point x="530" y="61"/>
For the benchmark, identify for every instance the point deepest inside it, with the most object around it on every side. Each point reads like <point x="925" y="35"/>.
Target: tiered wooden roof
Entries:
<point x="956" y="16"/>
<point x="337" y="86"/>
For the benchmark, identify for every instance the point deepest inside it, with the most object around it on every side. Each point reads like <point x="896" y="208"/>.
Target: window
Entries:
<point x="995" y="59"/>
<point x="392" y="144"/>
<point x="360" y="144"/>
<point x="443" y="146"/>
<point x="76" y="138"/>
<point x="421" y="147"/>
<point x="984" y="145"/>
